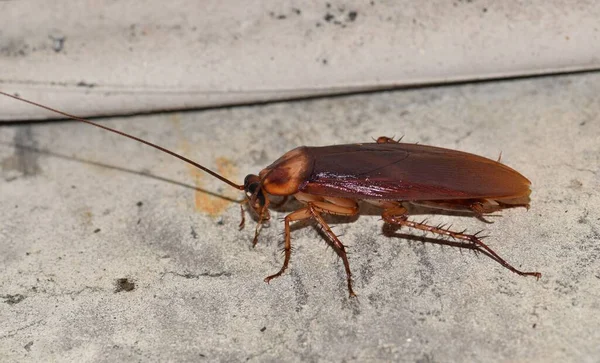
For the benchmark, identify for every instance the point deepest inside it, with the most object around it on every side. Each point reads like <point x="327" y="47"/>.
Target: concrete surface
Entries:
<point x="119" y="57"/>
<point x="82" y="209"/>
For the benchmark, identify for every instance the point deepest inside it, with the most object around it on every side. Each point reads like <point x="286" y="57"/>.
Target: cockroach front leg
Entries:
<point x="398" y="216"/>
<point x="263" y="216"/>
<point x="243" y="215"/>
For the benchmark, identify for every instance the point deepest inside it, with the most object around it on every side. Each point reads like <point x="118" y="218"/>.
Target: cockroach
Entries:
<point x="387" y="173"/>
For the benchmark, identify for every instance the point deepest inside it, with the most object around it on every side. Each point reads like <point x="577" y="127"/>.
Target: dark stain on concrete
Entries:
<point x="124" y="284"/>
<point x="12" y="299"/>
<point x="22" y="161"/>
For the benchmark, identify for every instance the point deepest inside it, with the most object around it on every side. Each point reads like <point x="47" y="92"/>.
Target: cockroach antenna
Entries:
<point x="80" y="119"/>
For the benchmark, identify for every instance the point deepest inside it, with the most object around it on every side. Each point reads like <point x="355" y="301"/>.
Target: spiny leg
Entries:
<point x="298" y="215"/>
<point x="398" y="216"/>
<point x="343" y="207"/>
<point x="314" y="210"/>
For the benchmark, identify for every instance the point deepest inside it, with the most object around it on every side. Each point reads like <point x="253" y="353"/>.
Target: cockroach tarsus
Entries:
<point x="387" y="173"/>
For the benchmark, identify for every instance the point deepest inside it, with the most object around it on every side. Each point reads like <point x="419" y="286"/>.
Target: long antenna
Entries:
<point x="223" y="179"/>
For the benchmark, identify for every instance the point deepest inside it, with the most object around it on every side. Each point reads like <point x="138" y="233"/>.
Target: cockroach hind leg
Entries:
<point x="398" y="216"/>
<point x="476" y="239"/>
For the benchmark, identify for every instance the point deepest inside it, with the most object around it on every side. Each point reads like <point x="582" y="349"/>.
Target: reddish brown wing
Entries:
<point x="396" y="171"/>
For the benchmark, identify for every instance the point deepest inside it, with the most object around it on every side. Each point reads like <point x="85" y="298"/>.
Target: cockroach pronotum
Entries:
<point x="387" y="173"/>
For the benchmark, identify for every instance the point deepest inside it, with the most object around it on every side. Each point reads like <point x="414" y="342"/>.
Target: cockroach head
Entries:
<point x="254" y="193"/>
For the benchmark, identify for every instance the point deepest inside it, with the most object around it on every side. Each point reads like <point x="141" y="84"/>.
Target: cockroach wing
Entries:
<point x="409" y="172"/>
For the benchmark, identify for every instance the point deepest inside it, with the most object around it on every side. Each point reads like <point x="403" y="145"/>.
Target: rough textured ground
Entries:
<point x="82" y="210"/>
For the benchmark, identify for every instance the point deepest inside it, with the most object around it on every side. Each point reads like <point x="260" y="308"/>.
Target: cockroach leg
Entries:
<point x="298" y="215"/>
<point x="480" y="209"/>
<point x="483" y="218"/>
<point x="313" y="210"/>
<point x="258" y="228"/>
<point x="243" y="221"/>
<point x="341" y="250"/>
<point x="256" y="233"/>
<point x="398" y="216"/>
<point x="262" y="217"/>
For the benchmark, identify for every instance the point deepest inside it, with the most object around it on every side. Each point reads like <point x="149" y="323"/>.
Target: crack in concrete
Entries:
<point x="14" y="332"/>
<point x="189" y="275"/>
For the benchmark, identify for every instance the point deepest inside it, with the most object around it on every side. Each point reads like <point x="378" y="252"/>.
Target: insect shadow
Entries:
<point x="392" y="232"/>
<point x="146" y="174"/>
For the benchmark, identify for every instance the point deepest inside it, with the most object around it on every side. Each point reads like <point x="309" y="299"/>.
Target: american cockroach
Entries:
<point x="387" y="173"/>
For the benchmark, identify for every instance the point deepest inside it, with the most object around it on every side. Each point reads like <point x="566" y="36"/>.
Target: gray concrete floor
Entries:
<point x="82" y="208"/>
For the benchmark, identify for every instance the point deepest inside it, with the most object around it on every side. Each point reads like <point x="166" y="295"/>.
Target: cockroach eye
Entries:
<point x="251" y="182"/>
